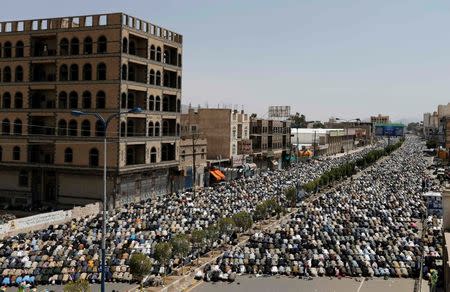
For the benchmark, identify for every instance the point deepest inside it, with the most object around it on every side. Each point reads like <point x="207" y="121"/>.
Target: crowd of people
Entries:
<point x="71" y="251"/>
<point x="369" y="226"/>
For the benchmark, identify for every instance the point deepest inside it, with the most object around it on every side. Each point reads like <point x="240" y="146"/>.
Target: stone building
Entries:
<point x="227" y="132"/>
<point x="380" y="119"/>
<point x="108" y="64"/>
<point x="271" y="141"/>
<point x="193" y="147"/>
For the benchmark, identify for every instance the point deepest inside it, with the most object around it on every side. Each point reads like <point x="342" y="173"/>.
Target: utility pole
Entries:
<point x="314" y="144"/>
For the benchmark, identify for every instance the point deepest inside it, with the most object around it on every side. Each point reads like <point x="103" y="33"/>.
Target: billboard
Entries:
<point x="279" y="111"/>
<point x="390" y="130"/>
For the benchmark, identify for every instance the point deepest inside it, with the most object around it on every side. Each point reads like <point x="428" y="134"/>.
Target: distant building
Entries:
<point x="270" y="141"/>
<point x="227" y="132"/>
<point x="431" y="124"/>
<point x="380" y="119"/>
<point x="324" y="141"/>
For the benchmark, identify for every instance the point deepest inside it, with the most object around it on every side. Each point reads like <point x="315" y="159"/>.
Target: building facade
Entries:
<point x="191" y="148"/>
<point x="271" y="142"/>
<point x="380" y="119"/>
<point x="227" y="132"/>
<point x="99" y="63"/>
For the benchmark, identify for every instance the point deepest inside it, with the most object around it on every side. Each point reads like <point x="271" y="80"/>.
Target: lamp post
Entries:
<point x="105" y="123"/>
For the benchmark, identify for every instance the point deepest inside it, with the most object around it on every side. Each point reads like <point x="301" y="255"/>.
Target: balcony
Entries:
<point x="43" y="72"/>
<point x="42" y="125"/>
<point x="168" y="152"/>
<point x="135" y="154"/>
<point x="44" y="46"/>
<point x="170" y="79"/>
<point x="137" y="73"/>
<point x="171" y="56"/>
<point x="137" y="46"/>
<point x="43" y="153"/>
<point x="42" y="99"/>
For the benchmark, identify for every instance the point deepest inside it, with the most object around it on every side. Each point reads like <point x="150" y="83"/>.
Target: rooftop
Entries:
<point x="88" y="21"/>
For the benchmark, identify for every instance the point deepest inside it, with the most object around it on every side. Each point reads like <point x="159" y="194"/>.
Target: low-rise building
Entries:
<point x="193" y="164"/>
<point x="324" y="141"/>
<point x="380" y="119"/>
<point x="270" y="141"/>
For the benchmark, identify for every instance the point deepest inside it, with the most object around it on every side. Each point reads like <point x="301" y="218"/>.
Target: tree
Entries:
<point x="163" y="253"/>
<point x="77" y="286"/>
<point x="243" y="221"/>
<point x="181" y="247"/>
<point x="226" y="225"/>
<point x="298" y="121"/>
<point x="198" y="238"/>
<point x="140" y="266"/>
<point x="260" y="211"/>
<point x="318" y="125"/>
<point x="291" y="196"/>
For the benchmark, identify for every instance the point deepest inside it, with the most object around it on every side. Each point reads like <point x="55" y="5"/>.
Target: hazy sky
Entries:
<point x="324" y="58"/>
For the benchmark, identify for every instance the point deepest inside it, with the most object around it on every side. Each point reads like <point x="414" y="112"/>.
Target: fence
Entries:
<point x="43" y="221"/>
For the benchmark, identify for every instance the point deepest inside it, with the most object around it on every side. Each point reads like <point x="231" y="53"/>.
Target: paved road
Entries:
<point x="276" y="284"/>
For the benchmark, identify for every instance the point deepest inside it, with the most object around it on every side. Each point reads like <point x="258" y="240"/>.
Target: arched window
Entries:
<point x="132" y="73"/>
<point x="19" y="49"/>
<point x="86" y="101"/>
<point x="19" y="74"/>
<point x="100" y="101"/>
<point x="153" y="155"/>
<point x="7" y="74"/>
<point x="151" y="103"/>
<point x="86" y="128"/>
<point x="74" y="72"/>
<point x="152" y="53"/>
<point x="62" y="128"/>
<point x="151" y="129"/>
<point x="68" y="155"/>
<point x="152" y="76"/>
<point x="101" y="71"/>
<point x="1" y="149"/>
<point x="101" y="45"/>
<point x="18" y="100"/>
<point x="73" y="128"/>
<point x="6" y="102"/>
<point x="63" y="73"/>
<point x="16" y="153"/>
<point x="62" y="100"/>
<point x="157" y="134"/>
<point x="132" y="48"/>
<point x="87" y="72"/>
<point x="125" y="45"/>
<point x="165" y="131"/>
<point x="158" y="104"/>
<point x="179" y="82"/>
<point x="123" y="129"/>
<point x="93" y="157"/>
<point x="183" y="154"/>
<point x="123" y="100"/>
<point x="179" y="106"/>
<point x="124" y="72"/>
<point x="99" y="129"/>
<point x="64" y="47"/>
<point x="178" y="130"/>
<point x="74" y="46"/>
<point x="158" y="78"/>
<point x="17" y="129"/>
<point x="165" y="104"/>
<point x="73" y="100"/>
<point x="158" y="54"/>
<point x="6" y="127"/>
<point x="87" y="46"/>
<point x="7" y="50"/>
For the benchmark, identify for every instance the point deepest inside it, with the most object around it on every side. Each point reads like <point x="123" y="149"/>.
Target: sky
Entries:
<point x="347" y="58"/>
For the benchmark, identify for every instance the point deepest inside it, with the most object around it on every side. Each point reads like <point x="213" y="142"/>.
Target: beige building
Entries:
<point x="270" y="141"/>
<point x="193" y="148"/>
<point x="108" y="64"/>
<point x="227" y="131"/>
<point x="380" y="119"/>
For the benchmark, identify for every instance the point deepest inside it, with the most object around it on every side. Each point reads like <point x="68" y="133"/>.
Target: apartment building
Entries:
<point x="380" y="119"/>
<point x="108" y="64"/>
<point x="271" y="141"/>
<point x="227" y="132"/>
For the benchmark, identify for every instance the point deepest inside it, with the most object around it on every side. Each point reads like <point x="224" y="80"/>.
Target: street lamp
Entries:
<point x="105" y="123"/>
<point x="346" y="128"/>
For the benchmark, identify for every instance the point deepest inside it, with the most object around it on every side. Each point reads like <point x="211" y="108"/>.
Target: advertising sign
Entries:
<point x="279" y="111"/>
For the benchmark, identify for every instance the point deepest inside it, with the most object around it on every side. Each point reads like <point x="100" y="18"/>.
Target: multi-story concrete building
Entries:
<point x="380" y="119"/>
<point x="193" y="147"/>
<point x="431" y="124"/>
<point x="99" y="63"/>
<point x="225" y="129"/>
<point x="270" y="141"/>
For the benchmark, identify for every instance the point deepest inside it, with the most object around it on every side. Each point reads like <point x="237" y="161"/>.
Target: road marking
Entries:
<point x="360" y="285"/>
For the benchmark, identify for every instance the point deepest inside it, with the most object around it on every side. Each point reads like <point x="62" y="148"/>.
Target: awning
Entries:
<point x="215" y="175"/>
<point x="219" y="173"/>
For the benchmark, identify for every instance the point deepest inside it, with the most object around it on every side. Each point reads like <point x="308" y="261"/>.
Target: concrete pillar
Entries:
<point x="446" y="208"/>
